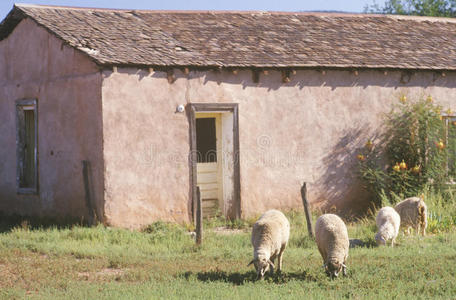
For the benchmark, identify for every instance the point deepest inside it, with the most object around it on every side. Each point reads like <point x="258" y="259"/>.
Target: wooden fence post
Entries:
<point x="305" y="202"/>
<point x="199" y="217"/>
<point x="93" y="216"/>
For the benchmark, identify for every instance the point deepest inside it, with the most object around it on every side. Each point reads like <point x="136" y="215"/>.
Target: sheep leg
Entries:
<point x="271" y="268"/>
<point x="279" y="266"/>
<point x="392" y="242"/>
<point x="325" y="259"/>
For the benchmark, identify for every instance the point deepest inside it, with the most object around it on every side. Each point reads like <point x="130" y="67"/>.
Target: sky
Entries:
<point x="263" y="5"/>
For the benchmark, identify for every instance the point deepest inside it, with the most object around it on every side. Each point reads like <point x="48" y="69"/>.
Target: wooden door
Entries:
<point x="208" y="142"/>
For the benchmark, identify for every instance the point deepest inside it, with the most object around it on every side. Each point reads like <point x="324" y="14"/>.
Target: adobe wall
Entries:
<point x="309" y="129"/>
<point x="37" y="65"/>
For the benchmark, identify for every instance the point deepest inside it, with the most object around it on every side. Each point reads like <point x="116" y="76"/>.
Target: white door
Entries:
<point x="209" y="170"/>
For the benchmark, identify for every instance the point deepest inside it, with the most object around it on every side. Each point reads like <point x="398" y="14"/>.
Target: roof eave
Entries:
<point x="14" y="17"/>
<point x="108" y="65"/>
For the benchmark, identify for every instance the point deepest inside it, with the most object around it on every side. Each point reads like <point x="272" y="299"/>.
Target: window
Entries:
<point x="26" y="143"/>
<point x="450" y="137"/>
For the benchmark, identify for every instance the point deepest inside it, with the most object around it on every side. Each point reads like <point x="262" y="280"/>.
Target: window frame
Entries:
<point x="29" y="104"/>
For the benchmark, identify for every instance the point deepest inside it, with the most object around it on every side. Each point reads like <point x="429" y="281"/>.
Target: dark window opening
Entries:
<point x="26" y="146"/>
<point x="206" y="140"/>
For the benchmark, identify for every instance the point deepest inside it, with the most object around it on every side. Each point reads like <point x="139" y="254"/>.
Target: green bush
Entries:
<point x="410" y="154"/>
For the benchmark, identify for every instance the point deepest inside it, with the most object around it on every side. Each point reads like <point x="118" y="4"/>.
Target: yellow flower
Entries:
<point x="449" y="111"/>
<point x="416" y="169"/>
<point x="361" y="157"/>
<point x="429" y="99"/>
<point x="403" y="165"/>
<point x="396" y="167"/>
<point x="440" y="145"/>
<point x="403" y="99"/>
<point x="369" y="145"/>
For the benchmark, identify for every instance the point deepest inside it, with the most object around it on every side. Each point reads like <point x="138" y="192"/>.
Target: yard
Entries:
<point x="162" y="262"/>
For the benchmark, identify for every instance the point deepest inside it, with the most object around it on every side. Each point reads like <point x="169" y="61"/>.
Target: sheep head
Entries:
<point x="261" y="266"/>
<point x="333" y="268"/>
<point x="380" y="239"/>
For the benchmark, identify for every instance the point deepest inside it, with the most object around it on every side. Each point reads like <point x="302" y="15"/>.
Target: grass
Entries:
<point x="442" y="210"/>
<point x="162" y="262"/>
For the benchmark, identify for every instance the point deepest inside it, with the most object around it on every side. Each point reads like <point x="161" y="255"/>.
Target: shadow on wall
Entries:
<point x="332" y="79"/>
<point x="304" y="78"/>
<point x="9" y="222"/>
<point x="344" y="191"/>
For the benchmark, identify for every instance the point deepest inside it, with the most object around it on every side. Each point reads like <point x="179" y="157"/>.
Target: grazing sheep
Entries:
<point x="413" y="212"/>
<point x="269" y="238"/>
<point x="332" y="240"/>
<point x="388" y="222"/>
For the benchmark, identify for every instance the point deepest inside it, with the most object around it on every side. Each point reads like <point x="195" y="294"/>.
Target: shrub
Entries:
<point x="410" y="154"/>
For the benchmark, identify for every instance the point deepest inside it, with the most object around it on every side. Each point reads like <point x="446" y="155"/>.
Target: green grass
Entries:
<point x="162" y="262"/>
<point x="442" y="210"/>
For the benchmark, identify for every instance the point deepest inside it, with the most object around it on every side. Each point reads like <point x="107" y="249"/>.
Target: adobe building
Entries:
<point x="123" y="113"/>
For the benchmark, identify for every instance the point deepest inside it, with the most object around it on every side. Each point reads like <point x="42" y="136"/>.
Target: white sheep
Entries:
<point x="413" y="212"/>
<point x="269" y="239"/>
<point x="388" y="222"/>
<point x="332" y="240"/>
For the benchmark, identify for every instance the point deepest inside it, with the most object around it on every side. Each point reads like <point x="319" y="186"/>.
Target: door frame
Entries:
<point x="192" y="109"/>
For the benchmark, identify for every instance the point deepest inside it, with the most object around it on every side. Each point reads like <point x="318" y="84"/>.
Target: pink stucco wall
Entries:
<point x="67" y="86"/>
<point x="306" y="130"/>
<point x="147" y="144"/>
